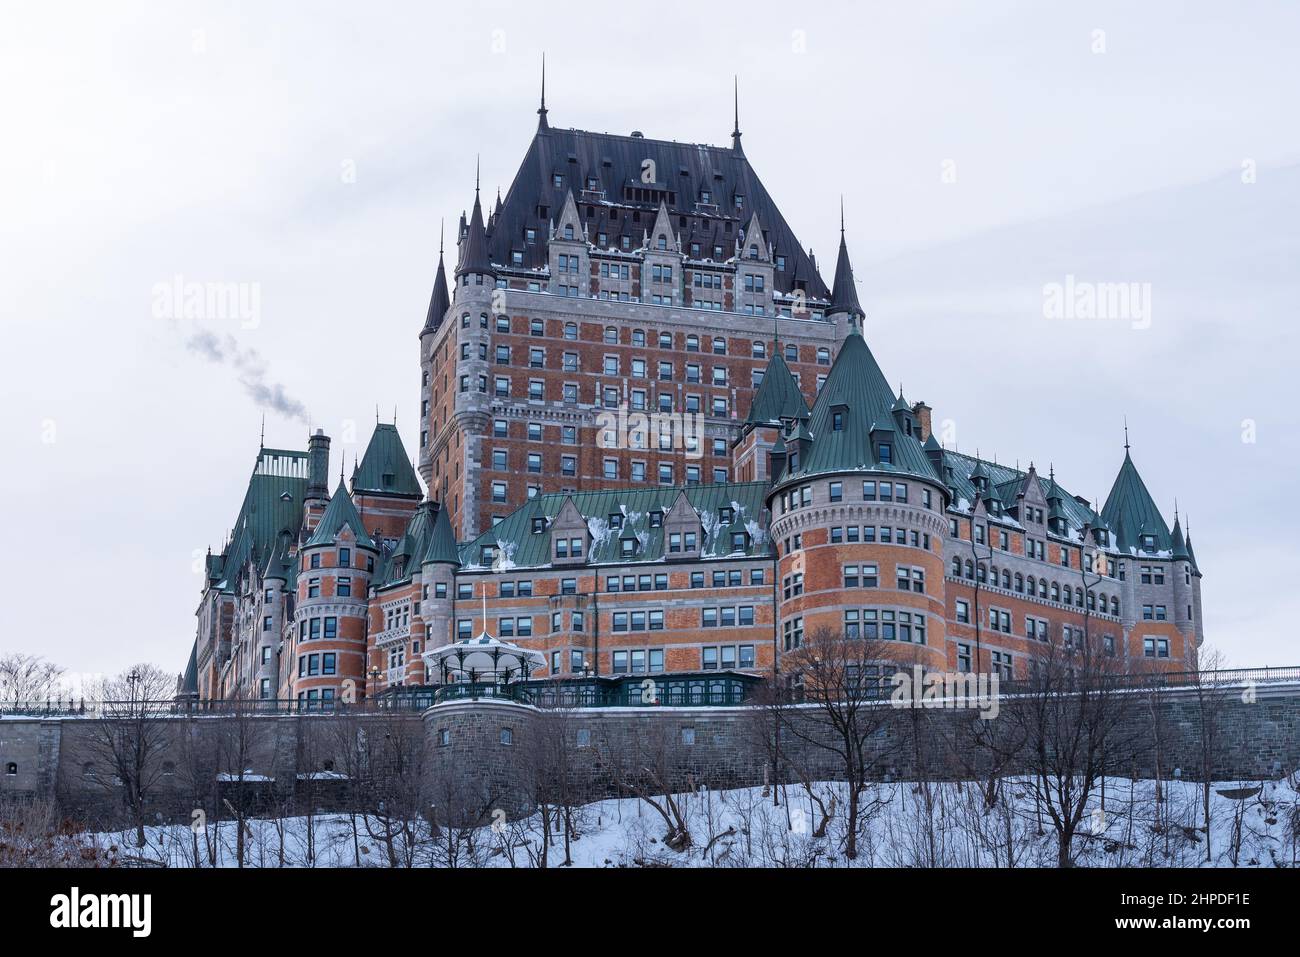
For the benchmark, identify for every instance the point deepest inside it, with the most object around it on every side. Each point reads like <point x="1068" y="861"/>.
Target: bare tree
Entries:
<point x="241" y="736"/>
<point x="845" y="711"/>
<point x="398" y="787"/>
<point x="646" y="765"/>
<point x="1071" y="726"/>
<point x="29" y="678"/>
<point x="196" y="777"/>
<point x="1211" y="696"/>
<point x="130" y="737"/>
<point x="557" y="772"/>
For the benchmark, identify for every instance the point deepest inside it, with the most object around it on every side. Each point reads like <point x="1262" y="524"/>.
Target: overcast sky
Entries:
<point x="308" y="153"/>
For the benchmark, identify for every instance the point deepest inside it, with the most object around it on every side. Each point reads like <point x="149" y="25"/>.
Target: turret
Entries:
<point x="844" y="310"/>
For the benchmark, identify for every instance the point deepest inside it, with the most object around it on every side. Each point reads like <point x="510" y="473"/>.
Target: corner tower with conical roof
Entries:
<point x="857" y="520"/>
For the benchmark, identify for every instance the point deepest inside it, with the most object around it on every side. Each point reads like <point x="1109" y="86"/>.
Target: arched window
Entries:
<point x="571" y="330"/>
<point x="1078" y="597"/>
<point x="1042" y="588"/>
<point x="1056" y="592"/>
<point x="1114" y="606"/>
<point x="1006" y="579"/>
<point x="1020" y="582"/>
<point x="956" y="567"/>
<point x="970" y="569"/>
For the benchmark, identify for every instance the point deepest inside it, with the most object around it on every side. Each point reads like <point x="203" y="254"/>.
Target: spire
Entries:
<point x="1131" y="511"/>
<point x="735" y="131"/>
<point x="1178" y="546"/>
<point x="340" y="513"/>
<point x="474" y="252"/>
<point x="440" y="301"/>
<point x="844" y="293"/>
<point x="777" y="397"/>
<point x="541" y="110"/>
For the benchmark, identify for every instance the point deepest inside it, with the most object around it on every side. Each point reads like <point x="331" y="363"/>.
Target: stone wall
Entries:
<point x="475" y="757"/>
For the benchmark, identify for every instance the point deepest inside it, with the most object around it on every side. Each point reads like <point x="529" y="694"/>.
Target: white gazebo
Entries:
<point x="479" y="667"/>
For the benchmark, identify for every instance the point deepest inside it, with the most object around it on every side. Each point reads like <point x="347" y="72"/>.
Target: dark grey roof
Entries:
<point x="844" y="297"/>
<point x="440" y="301"/>
<point x="474" y="254"/>
<point x="683" y="171"/>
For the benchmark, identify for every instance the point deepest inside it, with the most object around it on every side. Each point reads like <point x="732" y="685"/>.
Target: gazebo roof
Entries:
<point x="484" y="656"/>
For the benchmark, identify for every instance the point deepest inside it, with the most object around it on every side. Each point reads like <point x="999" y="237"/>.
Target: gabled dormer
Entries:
<point x="683" y="534"/>
<point x="570" y="537"/>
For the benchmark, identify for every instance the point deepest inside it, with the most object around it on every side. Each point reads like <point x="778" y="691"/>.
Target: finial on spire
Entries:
<point x="1126" y="446"/>
<point x="261" y="442"/>
<point x="841" y="215"/>
<point x="442" y="235"/>
<point x="541" y="110"/>
<point x="735" y="130"/>
<point x="478" y="162"/>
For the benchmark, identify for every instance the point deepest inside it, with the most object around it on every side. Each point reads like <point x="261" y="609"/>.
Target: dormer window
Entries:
<point x="740" y="201"/>
<point x="568" y="231"/>
<point x="662" y="242"/>
<point x="488" y="554"/>
<point x="530" y="236"/>
<point x="539" y="525"/>
<point x="753" y="252"/>
<point x="627" y="547"/>
<point x="886" y="453"/>
<point x="706" y="196"/>
<point x="615" y="519"/>
<point x="1148" y="543"/>
<point x="838" y="415"/>
<point x="656" y="519"/>
<point x="557" y="180"/>
<point x="726" y="514"/>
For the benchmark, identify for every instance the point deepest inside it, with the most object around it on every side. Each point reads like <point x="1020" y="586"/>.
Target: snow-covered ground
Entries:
<point x="905" y="824"/>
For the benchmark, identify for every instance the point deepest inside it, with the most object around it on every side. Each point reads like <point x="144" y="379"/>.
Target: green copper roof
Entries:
<point x="385" y="469"/>
<point x="1177" y="545"/>
<point x="427" y="538"/>
<point x="1009" y="482"/>
<point x="1131" y="511"/>
<point x="442" y="545"/>
<point x="338" y="513"/>
<point x="723" y="509"/>
<point x="778" y="396"/>
<point x="272" y="504"/>
<point x="856" y="389"/>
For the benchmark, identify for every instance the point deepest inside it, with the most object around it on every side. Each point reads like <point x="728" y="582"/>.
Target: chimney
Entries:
<point x="318" y="466"/>
<point x="922" y="413"/>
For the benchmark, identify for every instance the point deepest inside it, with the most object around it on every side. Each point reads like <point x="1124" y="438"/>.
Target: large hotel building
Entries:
<point x="653" y="441"/>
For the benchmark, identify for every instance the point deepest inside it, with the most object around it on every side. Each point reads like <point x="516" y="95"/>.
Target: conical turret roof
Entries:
<point x="1131" y="511"/>
<point x="778" y="396"/>
<point x="340" y="513"/>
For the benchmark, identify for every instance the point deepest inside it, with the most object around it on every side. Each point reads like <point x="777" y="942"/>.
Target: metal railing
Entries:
<point x="538" y="693"/>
